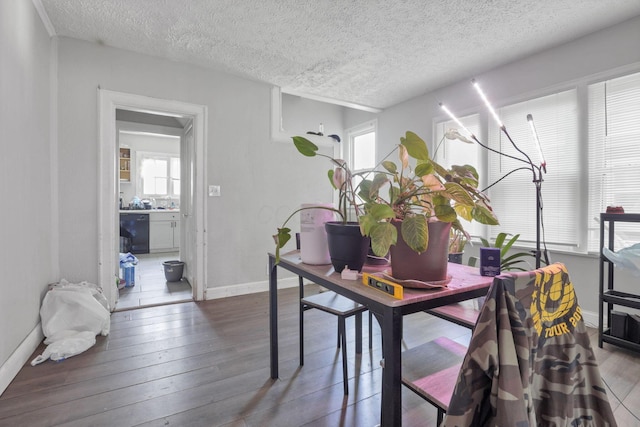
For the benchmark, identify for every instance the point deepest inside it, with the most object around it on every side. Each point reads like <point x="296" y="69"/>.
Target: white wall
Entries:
<point x="28" y="216"/>
<point x="261" y="181"/>
<point x="615" y="48"/>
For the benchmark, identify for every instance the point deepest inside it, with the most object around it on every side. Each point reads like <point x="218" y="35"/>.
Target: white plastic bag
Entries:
<point x="67" y="347"/>
<point x="628" y="258"/>
<point x="71" y="316"/>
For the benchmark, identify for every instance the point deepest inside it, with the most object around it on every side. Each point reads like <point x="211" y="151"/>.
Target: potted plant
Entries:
<point x="421" y="203"/>
<point x="509" y="262"/>
<point x="457" y="241"/>
<point x="347" y="245"/>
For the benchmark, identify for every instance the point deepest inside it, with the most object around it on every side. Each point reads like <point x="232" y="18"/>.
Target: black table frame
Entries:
<point x="388" y="310"/>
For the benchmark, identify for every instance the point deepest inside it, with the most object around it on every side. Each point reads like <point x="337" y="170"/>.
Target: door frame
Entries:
<point x="108" y="261"/>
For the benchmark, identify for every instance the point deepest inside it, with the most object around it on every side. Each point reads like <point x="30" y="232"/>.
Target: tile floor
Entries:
<point x="151" y="287"/>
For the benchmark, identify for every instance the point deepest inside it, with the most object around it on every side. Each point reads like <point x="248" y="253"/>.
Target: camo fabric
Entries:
<point x="530" y="362"/>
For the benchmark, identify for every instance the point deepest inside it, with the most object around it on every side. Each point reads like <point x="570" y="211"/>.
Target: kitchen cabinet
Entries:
<point x="125" y="164"/>
<point x="621" y="334"/>
<point x="164" y="231"/>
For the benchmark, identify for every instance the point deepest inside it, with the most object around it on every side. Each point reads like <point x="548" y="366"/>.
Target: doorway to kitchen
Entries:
<point x="189" y="219"/>
<point x="150" y="198"/>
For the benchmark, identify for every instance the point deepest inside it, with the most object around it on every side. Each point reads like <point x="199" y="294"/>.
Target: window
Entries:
<point x="514" y="198"/>
<point x="362" y="147"/>
<point x="614" y="154"/>
<point x="159" y="175"/>
<point x="450" y="152"/>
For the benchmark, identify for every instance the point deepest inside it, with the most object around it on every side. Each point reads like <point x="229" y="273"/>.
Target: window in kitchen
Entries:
<point x="159" y="174"/>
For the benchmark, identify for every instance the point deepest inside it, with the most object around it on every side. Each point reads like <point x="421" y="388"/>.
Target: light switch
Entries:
<point x="214" y="191"/>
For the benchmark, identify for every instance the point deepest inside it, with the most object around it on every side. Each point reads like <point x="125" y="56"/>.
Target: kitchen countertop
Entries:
<point x="146" y="211"/>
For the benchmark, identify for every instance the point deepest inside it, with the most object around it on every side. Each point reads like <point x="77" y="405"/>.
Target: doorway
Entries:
<point x="193" y="207"/>
<point x="151" y="148"/>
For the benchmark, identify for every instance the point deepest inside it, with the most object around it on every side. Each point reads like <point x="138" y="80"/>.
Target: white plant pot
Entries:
<point x="313" y="237"/>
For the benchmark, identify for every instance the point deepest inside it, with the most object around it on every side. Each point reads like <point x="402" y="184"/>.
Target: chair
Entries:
<point x="342" y="307"/>
<point x="530" y="360"/>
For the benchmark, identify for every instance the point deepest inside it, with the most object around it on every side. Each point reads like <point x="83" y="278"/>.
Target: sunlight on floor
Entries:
<point x="151" y="287"/>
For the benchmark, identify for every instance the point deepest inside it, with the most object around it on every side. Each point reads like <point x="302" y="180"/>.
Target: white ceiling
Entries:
<point x="374" y="53"/>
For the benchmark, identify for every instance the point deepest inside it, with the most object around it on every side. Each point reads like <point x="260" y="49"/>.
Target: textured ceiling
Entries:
<point x="374" y="53"/>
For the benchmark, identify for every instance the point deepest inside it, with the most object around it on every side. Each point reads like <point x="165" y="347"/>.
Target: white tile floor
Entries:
<point x="151" y="287"/>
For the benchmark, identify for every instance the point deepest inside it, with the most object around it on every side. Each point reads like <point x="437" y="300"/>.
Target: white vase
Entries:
<point x="313" y="237"/>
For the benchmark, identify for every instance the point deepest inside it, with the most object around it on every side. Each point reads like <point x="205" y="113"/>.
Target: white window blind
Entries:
<point x="514" y="198"/>
<point x="614" y="155"/>
<point x="448" y="152"/>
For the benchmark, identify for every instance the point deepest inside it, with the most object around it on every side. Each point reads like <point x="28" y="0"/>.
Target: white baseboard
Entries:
<point x="247" y="288"/>
<point x="16" y="361"/>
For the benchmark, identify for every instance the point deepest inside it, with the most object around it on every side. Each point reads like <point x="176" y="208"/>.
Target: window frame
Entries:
<point x="171" y="185"/>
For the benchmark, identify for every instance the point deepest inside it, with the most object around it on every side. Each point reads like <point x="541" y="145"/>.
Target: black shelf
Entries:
<point x="621" y="298"/>
<point x="609" y="297"/>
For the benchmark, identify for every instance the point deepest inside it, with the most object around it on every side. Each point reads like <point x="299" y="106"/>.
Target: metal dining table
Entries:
<point x="465" y="283"/>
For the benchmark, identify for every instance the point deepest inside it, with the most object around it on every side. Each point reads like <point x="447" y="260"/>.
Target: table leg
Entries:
<point x="391" y="410"/>
<point x="273" y="316"/>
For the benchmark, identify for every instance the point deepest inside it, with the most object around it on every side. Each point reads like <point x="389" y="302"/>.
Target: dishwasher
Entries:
<point x="135" y="227"/>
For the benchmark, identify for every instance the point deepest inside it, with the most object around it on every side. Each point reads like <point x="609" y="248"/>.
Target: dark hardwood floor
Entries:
<point x="207" y="364"/>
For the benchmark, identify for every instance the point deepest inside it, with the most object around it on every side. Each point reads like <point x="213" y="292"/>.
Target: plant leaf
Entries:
<point x="445" y="213"/>
<point x="390" y="166"/>
<point x="424" y="168"/>
<point x="464" y="211"/>
<point x="304" y="146"/>
<point x="415" y="146"/>
<point x="459" y="194"/>
<point x="484" y="215"/>
<point x="381" y="211"/>
<point x="415" y="232"/>
<point x="383" y="235"/>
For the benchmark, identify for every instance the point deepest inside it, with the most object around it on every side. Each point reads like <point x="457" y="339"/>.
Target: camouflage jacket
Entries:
<point x="530" y="362"/>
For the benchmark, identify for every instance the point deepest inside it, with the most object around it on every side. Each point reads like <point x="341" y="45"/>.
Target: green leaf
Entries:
<point x="364" y="191"/>
<point x="484" y="215"/>
<point x="379" y="180"/>
<point x="423" y="169"/>
<point x="459" y="194"/>
<point x="283" y="236"/>
<point x="304" y="146"/>
<point x="383" y="235"/>
<point x="445" y="213"/>
<point x="465" y="171"/>
<point x="464" y="211"/>
<point x="330" y="174"/>
<point x="500" y="239"/>
<point x="390" y="166"/>
<point x="415" y="146"/>
<point x="381" y="211"/>
<point x="415" y="232"/>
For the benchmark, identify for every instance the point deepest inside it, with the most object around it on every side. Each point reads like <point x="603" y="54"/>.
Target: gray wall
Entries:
<point x="261" y="181"/>
<point x="610" y="49"/>
<point x="27" y="181"/>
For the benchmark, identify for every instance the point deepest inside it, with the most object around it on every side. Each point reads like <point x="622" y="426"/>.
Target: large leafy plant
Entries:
<point x="415" y="192"/>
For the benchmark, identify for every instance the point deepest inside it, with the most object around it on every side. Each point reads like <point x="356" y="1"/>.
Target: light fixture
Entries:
<point x="543" y="162"/>
<point x="537" y="171"/>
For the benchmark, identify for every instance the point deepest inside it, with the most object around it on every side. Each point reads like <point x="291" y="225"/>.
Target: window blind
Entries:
<point x="514" y="198"/>
<point x="614" y="155"/>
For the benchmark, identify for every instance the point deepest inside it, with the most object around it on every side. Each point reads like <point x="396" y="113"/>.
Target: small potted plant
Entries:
<point x="457" y="241"/>
<point x="410" y="209"/>
<point x="348" y="247"/>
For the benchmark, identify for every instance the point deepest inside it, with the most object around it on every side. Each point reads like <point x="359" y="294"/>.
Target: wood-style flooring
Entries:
<point x="207" y="364"/>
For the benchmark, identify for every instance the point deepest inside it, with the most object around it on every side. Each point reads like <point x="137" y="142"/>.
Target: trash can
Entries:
<point x="173" y="270"/>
